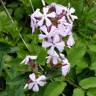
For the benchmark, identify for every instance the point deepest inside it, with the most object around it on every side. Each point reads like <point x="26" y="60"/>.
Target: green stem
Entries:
<point x="7" y="11"/>
<point x="73" y="84"/>
<point x="32" y="5"/>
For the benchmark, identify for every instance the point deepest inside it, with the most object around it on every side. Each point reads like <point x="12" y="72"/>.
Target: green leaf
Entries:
<point x="76" y="55"/>
<point x="19" y="13"/>
<point x="88" y="83"/>
<point x="41" y="57"/>
<point x="5" y="47"/>
<point x="54" y="89"/>
<point x="91" y="92"/>
<point x="78" y="92"/>
<point x="1" y="61"/>
<point x="7" y="26"/>
<point x="93" y="60"/>
<point x="92" y="47"/>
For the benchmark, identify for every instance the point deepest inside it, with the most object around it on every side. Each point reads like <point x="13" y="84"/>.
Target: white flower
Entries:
<point x="35" y="82"/>
<point x="28" y="58"/>
<point x="59" y="45"/>
<point x="70" y="41"/>
<point x="65" y="67"/>
<point x="45" y="16"/>
<point x="54" y="58"/>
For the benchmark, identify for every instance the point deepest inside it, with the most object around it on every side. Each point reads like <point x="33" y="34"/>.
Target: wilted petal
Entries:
<point x="32" y="77"/>
<point x="36" y="88"/>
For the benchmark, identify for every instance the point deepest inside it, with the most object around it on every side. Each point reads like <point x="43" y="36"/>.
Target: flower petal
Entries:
<point x="42" y="36"/>
<point x="51" y="50"/>
<point x="65" y="69"/>
<point x="37" y="14"/>
<point x="30" y="85"/>
<point x="55" y="60"/>
<point x="51" y="15"/>
<point x="46" y="44"/>
<point x="40" y="23"/>
<point x="70" y="41"/>
<point x="48" y="22"/>
<point x="60" y="46"/>
<point x="44" y="29"/>
<point x="74" y="17"/>
<point x="72" y="10"/>
<point x="45" y="10"/>
<point x="42" y="77"/>
<point x="41" y="83"/>
<point x="32" y="77"/>
<point x="35" y="87"/>
<point x="56" y="38"/>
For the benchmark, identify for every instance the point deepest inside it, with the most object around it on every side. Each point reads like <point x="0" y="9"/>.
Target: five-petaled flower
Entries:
<point x="34" y="82"/>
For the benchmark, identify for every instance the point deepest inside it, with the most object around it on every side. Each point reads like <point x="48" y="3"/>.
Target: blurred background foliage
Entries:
<point x="17" y="41"/>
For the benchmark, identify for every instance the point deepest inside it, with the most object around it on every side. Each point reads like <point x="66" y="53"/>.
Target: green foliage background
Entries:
<point x="17" y="41"/>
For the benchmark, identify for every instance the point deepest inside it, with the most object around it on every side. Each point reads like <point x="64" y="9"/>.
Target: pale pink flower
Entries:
<point x="45" y="17"/>
<point x="35" y="82"/>
<point x="54" y="58"/>
<point x="34" y="19"/>
<point x="49" y="44"/>
<point x="46" y="33"/>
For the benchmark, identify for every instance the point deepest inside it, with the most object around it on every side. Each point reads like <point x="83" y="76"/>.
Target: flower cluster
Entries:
<point x="55" y="23"/>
